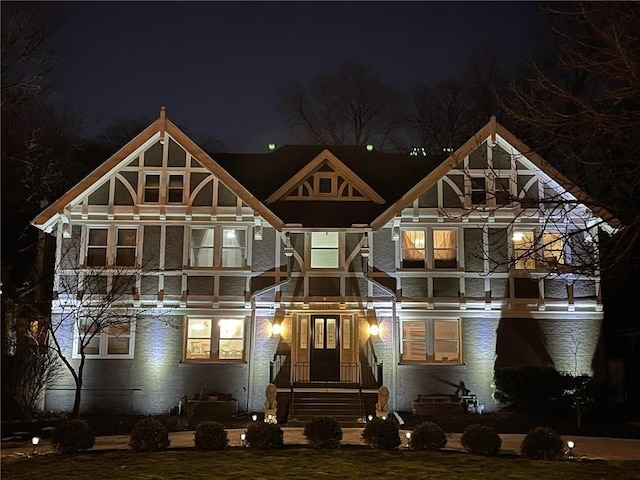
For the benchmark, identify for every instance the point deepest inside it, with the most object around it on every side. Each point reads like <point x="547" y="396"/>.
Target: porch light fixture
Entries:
<point x="34" y="441"/>
<point x="374" y="330"/>
<point x="276" y="329"/>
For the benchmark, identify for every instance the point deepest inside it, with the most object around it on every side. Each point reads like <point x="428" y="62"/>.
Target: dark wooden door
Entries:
<point x="325" y="348"/>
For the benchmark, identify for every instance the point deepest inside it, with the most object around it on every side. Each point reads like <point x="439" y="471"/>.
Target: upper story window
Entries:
<point x="431" y="341"/>
<point x="553" y="252"/>
<point x="445" y="249"/>
<point x="112" y="246"/>
<point x="201" y="249"/>
<point x="325" y="250"/>
<point x="115" y="340"/>
<point x="478" y="190"/>
<point x="441" y="250"/>
<point x="524" y="250"/>
<point x="214" y="339"/>
<point x="232" y="250"/>
<point x="170" y="186"/>
<point x="501" y="191"/>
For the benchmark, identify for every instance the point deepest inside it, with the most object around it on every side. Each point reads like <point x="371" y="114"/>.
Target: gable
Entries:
<point x="159" y="172"/>
<point x="325" y="178"/>
<point x="492" y="169"/>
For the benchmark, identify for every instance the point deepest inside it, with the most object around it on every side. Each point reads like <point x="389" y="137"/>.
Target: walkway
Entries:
<point x="585" y="447"/>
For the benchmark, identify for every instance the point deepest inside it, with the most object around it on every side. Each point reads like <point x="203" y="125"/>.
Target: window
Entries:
<point x="152" y="188"/>
<point x="175" y="189"/>
<point x="201" y="251"/>
<point x="501" y="191"/>
<point x="445" y="252"/>
<point x="478" y="190"/>
<point x="214" y="339"/>
<point x="413" y="249"/>
<point x="431" y="341"/>
<point x="524" y="250"/>
<point x="114" y="340"/>
<point x="126" y="247"/>
<point x="325" y="250"/>
<point x="97" y="247"/>
<point x="553" y="249"/>
<point x="111" y="246"/>
<point x="324" y="184"/>
<point x="233" y="247"/>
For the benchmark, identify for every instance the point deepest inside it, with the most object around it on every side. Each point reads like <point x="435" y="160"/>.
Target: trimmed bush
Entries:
<point x="481" y="440"/>
<point x="542" y="443"/>
<point x="427" y="436"/>
<point x="530" y="388"/>
<point x="383" y="434"/>
<point x="323" y="432"/>
<point x="72" y="436"/>
<point x="211" y="436"/>
<point x="263" y="435"/>
<point x="149" y="435"/>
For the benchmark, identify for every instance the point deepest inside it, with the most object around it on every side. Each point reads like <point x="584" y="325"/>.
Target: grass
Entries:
<point x="348" y="462"/>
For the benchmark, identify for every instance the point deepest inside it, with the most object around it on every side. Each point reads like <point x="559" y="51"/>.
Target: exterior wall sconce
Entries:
<point x="276" y="329"/>
<point x="374" y="330"/>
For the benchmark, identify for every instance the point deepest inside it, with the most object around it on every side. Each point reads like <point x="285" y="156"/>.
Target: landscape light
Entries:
<point x="254" y="417"/>
<point x="408" y="435"/>
<point x="370" y="417"/>
<point x="243" y="438"/>
<point x="571" y="444"/>
<point x="34" y="441"/>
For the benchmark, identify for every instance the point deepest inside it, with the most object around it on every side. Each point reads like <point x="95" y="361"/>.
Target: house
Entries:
<point x="324" y="266"/>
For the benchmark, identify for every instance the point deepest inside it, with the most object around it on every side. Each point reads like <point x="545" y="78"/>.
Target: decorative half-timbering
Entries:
<point x="315" y="266"/>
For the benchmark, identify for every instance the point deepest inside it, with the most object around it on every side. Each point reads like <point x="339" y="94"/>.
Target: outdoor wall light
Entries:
<point x="374" y="330"/>
<point x="34" y="441"/>
<point x="276" y="329"/>
<point x="571" y="444"/>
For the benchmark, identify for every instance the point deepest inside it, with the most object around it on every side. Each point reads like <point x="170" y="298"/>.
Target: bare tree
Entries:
<point x="96" y="310"/>
<point x="585" y="115"/>
<point x="348" y="107"/>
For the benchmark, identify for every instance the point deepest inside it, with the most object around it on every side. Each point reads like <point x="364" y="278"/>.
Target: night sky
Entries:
<point x="216" y="65"/>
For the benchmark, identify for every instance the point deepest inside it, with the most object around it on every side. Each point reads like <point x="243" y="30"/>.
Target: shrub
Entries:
<point x="263" y="435"/>
<point x="149" y="435"/>
<point x="481" y="440"/>
<point x="323" y="432"/>
<point x="531" y="389"/>
<point x="427" y="436"/>
<point x="383" y="434"/>
<point x="71" y="436"/>
<point x="542" y="443"/>
<point x="211" y="436"/>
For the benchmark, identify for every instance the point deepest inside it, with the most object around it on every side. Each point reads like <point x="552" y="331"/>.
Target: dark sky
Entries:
<point x="216" y="65"/>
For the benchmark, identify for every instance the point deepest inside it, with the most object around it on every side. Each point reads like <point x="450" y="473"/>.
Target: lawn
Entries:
<point x="305" y="463"/>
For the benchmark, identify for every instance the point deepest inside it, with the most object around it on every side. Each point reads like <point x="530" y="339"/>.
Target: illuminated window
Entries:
<point x="325" y="250"/>
<point x="431" y="341"/>
<point x="524" y="250"/>
<point x="413" y="249"/>
<point x="97" y="247"/>
<point x="214" y="339"/>
<point x="126" y="247"/>
<point x="111" y="338"/>
<point x="553" y="249"/>
<point x="233" y="247"/>
<point x="201" y="247"/>
<point x="445" y="251"/>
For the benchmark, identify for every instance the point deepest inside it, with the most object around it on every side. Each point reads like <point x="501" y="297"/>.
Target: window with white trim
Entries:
<point x="325" y="250"/>
<point x="413" y="249"/>
<point x="175" y="188"/>
<point x="234" y="247"/>
<point x="478" y="190"/>
<point x="524" y="250"/>
<point x="210" y="339"/>
<point x="553" y="251"/>
<point x="201" y="251"/>
<point x="111" y="246"/>
<point x="445" y="249"/>
<point x="170" y="184"/>
<point x="112" y="339"/>
<point x="151" y="188"/>
<point x="434" y="248"/>
<point x="432" y="340"/>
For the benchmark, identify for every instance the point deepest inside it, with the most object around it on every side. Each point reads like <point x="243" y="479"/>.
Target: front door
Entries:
<point x="325" y="348"/>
